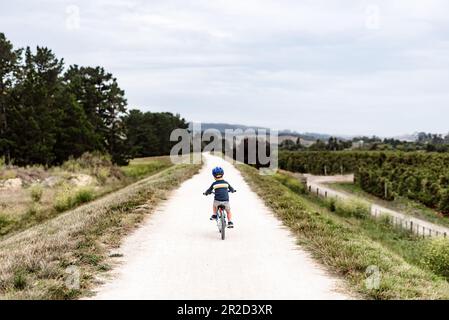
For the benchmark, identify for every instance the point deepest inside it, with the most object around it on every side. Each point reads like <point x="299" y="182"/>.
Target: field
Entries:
<point x="33" y="194"/>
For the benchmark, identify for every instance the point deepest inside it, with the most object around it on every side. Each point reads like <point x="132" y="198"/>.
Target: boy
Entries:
<point x="222" y="189"/>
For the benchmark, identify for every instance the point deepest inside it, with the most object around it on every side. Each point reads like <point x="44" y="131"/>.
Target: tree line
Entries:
<point x="419" y="176"/>
<point x="49" y="113"/>
<point x="424" y="142"/>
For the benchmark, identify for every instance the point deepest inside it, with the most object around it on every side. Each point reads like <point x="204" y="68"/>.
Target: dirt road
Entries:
<point x="177" y="253"/>
<point x="317" y="185"/>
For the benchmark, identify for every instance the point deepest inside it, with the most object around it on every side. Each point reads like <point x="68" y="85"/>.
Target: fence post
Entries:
<point x="325" y="194"/>
<point x="317" y="191"/>
<point x="411" y="226"/>
<point x="445" y="234"/>
<point x="310" y="188"/>
<point x="423" y="232"/>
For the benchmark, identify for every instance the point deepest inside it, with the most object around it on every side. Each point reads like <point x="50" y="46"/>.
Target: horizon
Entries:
<point x="338" y="135"/>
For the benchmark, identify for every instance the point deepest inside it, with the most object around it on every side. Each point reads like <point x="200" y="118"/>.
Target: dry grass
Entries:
<point x="33" y="263"/>
<point x="35" y="202"/>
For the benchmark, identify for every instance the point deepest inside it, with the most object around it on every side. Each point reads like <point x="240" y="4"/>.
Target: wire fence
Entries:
<point x="413" y="225"/>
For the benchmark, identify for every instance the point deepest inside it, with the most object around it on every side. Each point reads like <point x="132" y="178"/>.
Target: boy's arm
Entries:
<point x="209" y="191"/>
<point x="230" y="188"/>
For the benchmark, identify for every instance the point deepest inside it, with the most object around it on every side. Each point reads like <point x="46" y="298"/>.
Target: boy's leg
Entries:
<point x="214" y="209"/>
<point x="228" y="211"/>
<point x="229" y="214"/>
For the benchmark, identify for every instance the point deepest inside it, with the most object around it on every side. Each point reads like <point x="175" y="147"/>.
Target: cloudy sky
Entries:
<point x="335" y="66"/>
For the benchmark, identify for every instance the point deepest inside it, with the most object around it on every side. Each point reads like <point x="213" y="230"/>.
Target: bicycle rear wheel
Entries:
<point x="223" y="225"/>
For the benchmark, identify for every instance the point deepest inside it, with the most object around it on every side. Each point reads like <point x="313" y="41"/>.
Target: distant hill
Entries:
<point x="307" y="138"/>
<point x="225" y="126"/>
<point x="282" y="133"/>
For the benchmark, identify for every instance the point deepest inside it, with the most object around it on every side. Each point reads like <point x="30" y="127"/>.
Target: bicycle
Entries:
<point x="221" y="218"/>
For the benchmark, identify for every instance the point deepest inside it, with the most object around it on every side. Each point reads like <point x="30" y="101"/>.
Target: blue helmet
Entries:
<point x="218" y="172"/>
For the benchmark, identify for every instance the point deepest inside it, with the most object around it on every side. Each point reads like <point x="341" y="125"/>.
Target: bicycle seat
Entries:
<point x="221" y="206"/>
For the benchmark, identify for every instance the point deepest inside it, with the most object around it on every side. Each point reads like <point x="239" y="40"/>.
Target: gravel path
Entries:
<point x="177" y="252"/>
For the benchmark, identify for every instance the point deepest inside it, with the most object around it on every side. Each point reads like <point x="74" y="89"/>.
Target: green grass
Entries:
<point x="69" y="198"/>
<point x="350" y="243"/>
<point x="6" y="223"/>
<point x="401" y="204"/>
<point x="293" y="184"/>
<point x="431" y="254"/>
<point x="143" y="167"/>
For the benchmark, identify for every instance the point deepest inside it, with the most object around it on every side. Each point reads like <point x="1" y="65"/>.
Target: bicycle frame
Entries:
<point x="221" y="218"/>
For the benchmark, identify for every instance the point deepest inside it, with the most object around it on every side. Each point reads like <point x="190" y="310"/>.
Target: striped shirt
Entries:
<point x="221" y="188"/>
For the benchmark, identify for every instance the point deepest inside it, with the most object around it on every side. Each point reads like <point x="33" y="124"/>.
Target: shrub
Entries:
<point x="102" y="174"/>
<point x="63" y="199"/>
<point x="68" y="198"/>
<point x="352" y="208"/>
<point x="89" y="160"/>
<point x="36" y="192"/>
<point x="82" y="195"/>
<point x="444" y="202"/>
<point x="71" y="165"/>
<point x="5" y="222"/>
<point x="20" y="280"/>
<point x="436" y="256"/>
<point x="331" y="203"/>
<point x="32" y="210"/>
<point x="292" y="183"/>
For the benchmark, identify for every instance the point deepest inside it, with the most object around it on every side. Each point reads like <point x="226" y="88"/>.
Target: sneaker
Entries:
<point x="213" y="217"/>
<point x="230" y="225"/>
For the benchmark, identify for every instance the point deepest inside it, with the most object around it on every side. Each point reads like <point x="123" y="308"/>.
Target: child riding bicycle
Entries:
<point x="222" y="189"/>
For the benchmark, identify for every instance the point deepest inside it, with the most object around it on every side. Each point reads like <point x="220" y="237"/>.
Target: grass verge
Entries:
<point x="143" y="167"/>
<point x="341" y="245"/>
<point x="38" y="262"/>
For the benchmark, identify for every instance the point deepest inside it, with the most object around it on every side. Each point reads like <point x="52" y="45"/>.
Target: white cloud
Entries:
<point x="309" y="65"/>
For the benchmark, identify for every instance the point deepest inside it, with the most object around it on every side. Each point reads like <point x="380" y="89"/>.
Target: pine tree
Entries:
<point x="36" y="116"/>
<point x="9" y="66"/>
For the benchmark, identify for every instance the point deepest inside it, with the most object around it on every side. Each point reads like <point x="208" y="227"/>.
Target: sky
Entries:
<point x="331" y="66"/>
